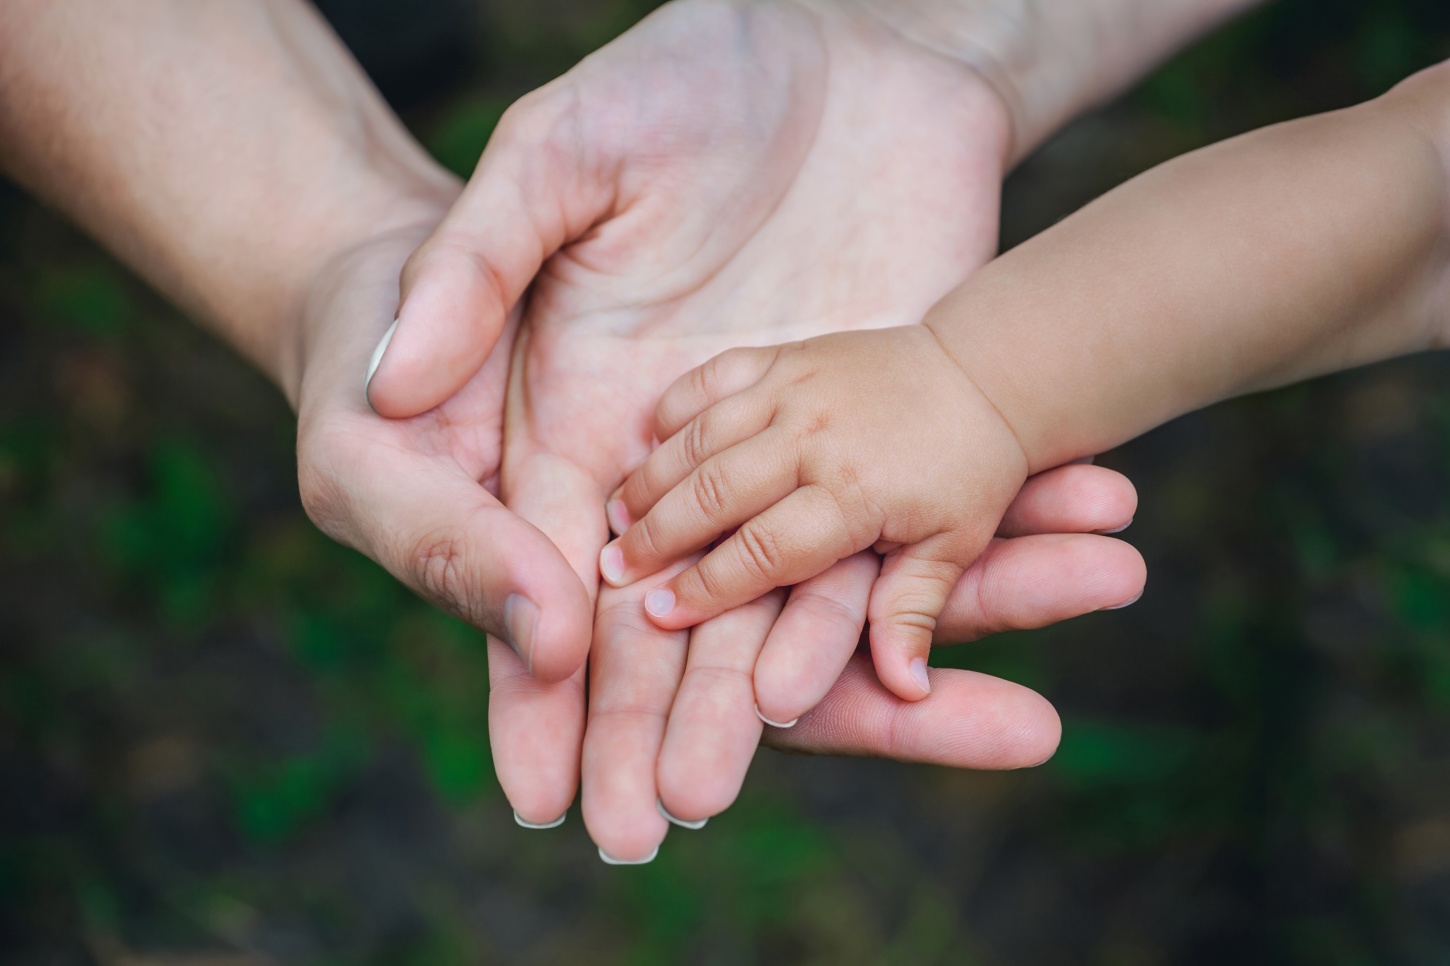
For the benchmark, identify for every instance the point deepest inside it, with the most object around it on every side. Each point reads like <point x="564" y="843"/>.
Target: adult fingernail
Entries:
<point x="611" y="564"/>
<point x="775" y="724"/>
<point x="918" y="674"/>
<point x="1127" y="603"/>
<point x="1118" y="530"/>
<point x="611" y="860"/>
<point x="554" y="824"/>
<point x="521" y="618"/>
<point x="618" y="514"/>
<point x="659" y="603"/>
<point x="382" y="348"/>
<point x="695" y="825"/>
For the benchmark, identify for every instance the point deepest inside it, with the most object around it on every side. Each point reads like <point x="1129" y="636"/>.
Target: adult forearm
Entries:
<point x="1052" y="59"/>
<point x="226" y="149"/>
<point x="1297" y="250"/>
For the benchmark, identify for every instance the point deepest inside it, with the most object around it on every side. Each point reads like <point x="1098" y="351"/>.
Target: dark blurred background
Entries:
<point x="224" y="740"/>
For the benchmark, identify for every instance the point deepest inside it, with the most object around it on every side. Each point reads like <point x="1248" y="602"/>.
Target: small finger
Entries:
<point x="718" y="496"/>
<point x="909" y="595"/>
<point x="732" y="371"/>
<point x="714" y="431"/>
<point x="791" y="541"/>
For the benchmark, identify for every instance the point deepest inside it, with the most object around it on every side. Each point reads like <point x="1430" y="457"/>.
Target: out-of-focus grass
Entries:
<point x="219" y="731"/>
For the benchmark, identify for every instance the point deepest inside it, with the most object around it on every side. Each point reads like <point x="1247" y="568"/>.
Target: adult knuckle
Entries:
<point x="438" y="565"/>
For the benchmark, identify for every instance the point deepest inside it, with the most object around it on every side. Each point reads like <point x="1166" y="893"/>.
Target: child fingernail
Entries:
<point x="611" y="860"/>
<point x="539" y="825"/>
<point x="611" y="564"/>
<point x="659" y="603"/>
<point x="618" y="514"/>
<point x="378" y="358"/>
<point x="521" y="618"/>
<point x="775" y="724"/>
<point x="918" y="674"/>
<point x="682" y="823"/>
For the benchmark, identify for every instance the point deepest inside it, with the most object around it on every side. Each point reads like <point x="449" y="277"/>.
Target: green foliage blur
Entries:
<point x="224" y="739"/>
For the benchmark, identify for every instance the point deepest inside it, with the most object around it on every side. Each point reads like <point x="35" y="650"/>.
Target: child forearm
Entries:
<point x="1290" y="252"/>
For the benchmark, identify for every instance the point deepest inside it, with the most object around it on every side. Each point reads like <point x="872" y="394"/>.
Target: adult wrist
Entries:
<point x="1048" y="60"/>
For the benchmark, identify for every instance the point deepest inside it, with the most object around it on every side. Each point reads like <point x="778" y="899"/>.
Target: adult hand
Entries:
<point x="723" y="175"/>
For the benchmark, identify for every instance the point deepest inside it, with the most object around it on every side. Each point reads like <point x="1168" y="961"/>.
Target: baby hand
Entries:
<point x="817" y="450"/>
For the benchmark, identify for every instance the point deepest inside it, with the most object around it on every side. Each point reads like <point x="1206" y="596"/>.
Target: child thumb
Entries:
<point x="909" y="595"/>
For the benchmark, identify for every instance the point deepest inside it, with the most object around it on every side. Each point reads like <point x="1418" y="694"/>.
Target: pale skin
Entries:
<point x="1297" y="250"/>
<point x="281" y="224"/>
<point x="910" y="121"/>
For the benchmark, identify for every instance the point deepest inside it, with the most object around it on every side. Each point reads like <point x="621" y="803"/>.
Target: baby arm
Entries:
<point x="1286" y="253"/>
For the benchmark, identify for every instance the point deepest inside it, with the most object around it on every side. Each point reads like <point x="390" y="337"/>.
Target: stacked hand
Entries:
<point x="724" y="175"/>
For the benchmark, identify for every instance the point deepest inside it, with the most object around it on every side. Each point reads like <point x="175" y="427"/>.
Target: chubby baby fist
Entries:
<point x="810" y="452"/>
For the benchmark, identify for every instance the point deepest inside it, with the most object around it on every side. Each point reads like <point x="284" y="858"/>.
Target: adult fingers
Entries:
<point x="447" y="537"/>
<point x="971" y="720"/>
<point x="713" y="729"/>
<point x="1077" y="498"/>
<point x="537" y="728"/>
<point x="634" y="671"/>
<point x="813" y="639"/>
<point x="1037" y="580"/>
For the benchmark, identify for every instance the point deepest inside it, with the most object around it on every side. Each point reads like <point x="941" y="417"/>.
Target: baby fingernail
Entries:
<point x="618" y="514"/>
<point x="525" y="824"/>
<point x="918" y="674"/>
<point x="659" y="603"/>
<point x="775" y="724"/>
<point x="378" y="357"/>
<point x="697" y="824"/>
<point x="611" y="860"/>
<point x="611" y="564"/>
<point x="521" y="618"/>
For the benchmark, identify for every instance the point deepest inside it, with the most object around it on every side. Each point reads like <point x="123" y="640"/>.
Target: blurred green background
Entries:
<point x="224" y="740"/>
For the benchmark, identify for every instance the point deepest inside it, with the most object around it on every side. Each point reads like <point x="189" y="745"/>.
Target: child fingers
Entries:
<point x="732" y="371"/>
<point x="914" y="586"/>
<point x="718" y="496"/>
<point x="813" y="639"/>
<point x="712" y="432"/>
<point x="792" y="541"/>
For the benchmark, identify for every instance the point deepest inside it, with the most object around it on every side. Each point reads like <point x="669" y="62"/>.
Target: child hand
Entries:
<point x="815" y="451"/>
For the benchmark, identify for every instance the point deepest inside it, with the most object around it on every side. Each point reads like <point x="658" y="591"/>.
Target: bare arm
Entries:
<point x="224" y="149"/>
<point x="1051" y="60"/>
<point x="1293" y="251"/>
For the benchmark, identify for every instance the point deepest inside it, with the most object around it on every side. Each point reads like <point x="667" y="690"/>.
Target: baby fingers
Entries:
<point x="716" y="497"/>
<point x="794" y="540"/>
<point x="909" y="596"/>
